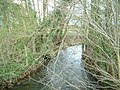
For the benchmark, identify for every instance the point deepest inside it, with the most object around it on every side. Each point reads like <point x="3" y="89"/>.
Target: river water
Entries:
<point x="65" y="72"/>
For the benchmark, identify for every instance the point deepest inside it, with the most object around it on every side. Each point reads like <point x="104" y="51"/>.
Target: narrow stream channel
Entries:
<point x="65" y="72"/>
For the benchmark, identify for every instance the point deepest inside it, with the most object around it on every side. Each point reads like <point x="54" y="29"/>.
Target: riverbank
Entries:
<point x="34" y="61"/>
<point x="64" y="71"/>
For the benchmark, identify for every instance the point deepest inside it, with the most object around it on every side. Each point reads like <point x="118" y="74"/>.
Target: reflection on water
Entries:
<point x="65" y="72"/>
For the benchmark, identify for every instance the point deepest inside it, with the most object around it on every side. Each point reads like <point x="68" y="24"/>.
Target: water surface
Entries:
<point x="64" y="72"/>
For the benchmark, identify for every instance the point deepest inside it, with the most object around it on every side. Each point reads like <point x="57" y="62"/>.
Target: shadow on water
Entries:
<point x="65" y="72"/>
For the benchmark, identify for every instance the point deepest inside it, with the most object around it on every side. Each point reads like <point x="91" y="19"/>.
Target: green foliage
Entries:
<point x="103" y="43"/>
<point x="24" y="42"/>
<point x="17" y="27"/>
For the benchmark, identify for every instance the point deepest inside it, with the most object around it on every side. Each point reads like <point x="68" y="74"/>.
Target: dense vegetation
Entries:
<point x="103" y="49"/>
<point x="25" y="40"/>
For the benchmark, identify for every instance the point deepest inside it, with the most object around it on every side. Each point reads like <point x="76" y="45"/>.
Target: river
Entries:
<point x="64" y="72"/>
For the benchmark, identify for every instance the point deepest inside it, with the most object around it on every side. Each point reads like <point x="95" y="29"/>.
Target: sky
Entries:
<point x="39" y="7"/>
